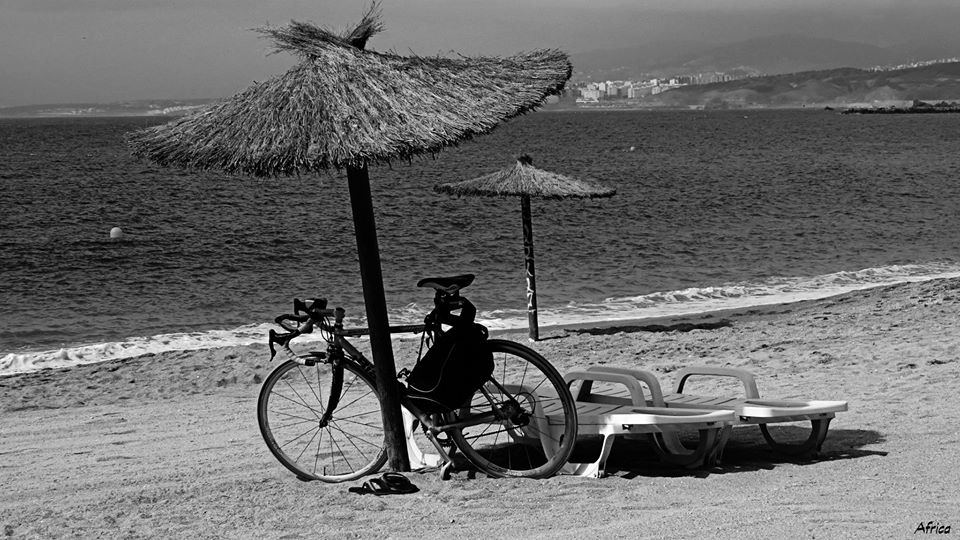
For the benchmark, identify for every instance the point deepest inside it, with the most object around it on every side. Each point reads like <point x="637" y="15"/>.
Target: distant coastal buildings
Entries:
<point x="590" y="92"/>
<point x="632" y="93"/>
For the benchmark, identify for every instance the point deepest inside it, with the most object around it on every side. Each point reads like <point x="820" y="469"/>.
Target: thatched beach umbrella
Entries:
<point x="524" y="180"/>
<point x="345" y="107"/>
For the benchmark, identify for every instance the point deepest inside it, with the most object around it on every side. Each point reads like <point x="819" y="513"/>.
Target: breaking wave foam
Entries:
<point x="659" y="304"/>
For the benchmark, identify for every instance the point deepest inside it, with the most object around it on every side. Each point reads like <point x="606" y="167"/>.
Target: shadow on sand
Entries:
<point x="679" y="327"/>
<point x="745" y="451"/>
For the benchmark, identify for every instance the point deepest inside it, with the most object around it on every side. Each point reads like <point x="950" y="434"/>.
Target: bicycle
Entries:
<point x="319" y="412"/>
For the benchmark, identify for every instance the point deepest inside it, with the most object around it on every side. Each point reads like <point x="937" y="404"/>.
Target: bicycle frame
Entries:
<point x="433" y="424"/>
<point x="340" y="350"/>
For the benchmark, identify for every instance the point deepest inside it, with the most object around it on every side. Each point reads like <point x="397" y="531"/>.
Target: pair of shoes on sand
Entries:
<point x="390" y="483"/>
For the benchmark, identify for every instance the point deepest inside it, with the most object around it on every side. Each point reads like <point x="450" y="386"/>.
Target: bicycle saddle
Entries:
<point x="448" y="285"/>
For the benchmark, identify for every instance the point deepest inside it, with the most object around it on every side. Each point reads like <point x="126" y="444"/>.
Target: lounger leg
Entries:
<point x="818" y="432"/>
<point x="670" y="450"/>
<point x="670" y="442"/>
<point x="715" y="455"/>
<point x="597" y="468"/>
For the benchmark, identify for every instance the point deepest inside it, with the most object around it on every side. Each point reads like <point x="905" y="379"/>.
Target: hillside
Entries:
<point x="787" y="54"/>
<point x="843" y="87"/>
<point x="770" y="55"/>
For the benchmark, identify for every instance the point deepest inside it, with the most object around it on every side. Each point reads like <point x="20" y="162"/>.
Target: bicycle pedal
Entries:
<point x="456" y="465"/>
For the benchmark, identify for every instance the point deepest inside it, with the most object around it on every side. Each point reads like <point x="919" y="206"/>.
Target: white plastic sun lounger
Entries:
<point x="748" y="409"/>
<point x="595" y="417"/>
<point x="604" y="419"/>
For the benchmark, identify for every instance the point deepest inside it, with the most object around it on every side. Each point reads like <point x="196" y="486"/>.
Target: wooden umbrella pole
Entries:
<point x="375" y="301"/>
<point x="529" y="267"/>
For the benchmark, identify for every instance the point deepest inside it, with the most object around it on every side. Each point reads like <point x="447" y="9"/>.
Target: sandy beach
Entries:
<point x="167" y="445"/>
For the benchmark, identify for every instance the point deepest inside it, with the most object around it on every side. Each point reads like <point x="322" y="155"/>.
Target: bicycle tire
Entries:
<point x="291" y="409"/>
<point x="522" y="446"/>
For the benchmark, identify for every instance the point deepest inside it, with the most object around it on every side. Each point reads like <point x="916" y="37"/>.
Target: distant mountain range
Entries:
<point x="799" y="71"/>
<point x="769" y="55"/>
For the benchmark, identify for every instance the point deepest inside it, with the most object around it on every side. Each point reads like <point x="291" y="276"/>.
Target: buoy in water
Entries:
<point x="116" y="232"/>
<point x="631" y="148"/>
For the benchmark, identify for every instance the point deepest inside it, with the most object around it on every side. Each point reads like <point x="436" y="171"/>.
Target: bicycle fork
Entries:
<point x="311" y="359"/>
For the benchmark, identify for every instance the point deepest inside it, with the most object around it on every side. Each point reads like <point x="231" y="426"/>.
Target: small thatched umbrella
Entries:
<point x="344" y="107"/>
<point x="524" y="180"/>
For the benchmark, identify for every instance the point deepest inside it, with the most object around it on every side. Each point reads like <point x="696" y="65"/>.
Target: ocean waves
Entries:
<point x="774" y="290"/>
<point x="712" y="211"/>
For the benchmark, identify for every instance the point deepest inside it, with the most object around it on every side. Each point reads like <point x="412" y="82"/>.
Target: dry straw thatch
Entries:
<point x="523" y="179"/>
<point x="343" y="106"/>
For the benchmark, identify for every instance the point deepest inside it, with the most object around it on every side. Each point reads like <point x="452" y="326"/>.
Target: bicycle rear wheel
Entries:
<point x="310" y="439"/>
<point x="538" y="436"/>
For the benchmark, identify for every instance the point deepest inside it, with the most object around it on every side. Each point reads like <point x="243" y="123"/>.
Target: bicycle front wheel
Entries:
<point x="311" y="438"/>
<point x="537" y="428"/>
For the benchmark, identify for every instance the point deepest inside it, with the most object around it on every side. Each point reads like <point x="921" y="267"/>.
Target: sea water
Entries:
<point x="713" y="210"/>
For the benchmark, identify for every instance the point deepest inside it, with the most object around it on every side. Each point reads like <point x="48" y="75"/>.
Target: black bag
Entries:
<point x="455" y="367"/>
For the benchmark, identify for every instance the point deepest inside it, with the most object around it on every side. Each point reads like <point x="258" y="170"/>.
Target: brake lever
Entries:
<point x="273" y="338"/>
<point x="282" y="321"/>
<point x="280" y="339"/>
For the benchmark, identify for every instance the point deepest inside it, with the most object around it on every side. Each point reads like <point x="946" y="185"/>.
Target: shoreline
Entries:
<point x="655" y="329"/>
<point x="618" y="312"/>
<point x="167" y="444"/>
<point x="548" y="331"/>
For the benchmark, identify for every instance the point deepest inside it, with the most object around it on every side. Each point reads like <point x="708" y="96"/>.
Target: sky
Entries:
<point x="97" y="51"/>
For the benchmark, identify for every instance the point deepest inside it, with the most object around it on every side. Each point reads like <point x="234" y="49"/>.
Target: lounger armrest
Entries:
<point x="747" y="378"/>
<point x="648" y="378"/>
<point x="588" y="377"/>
